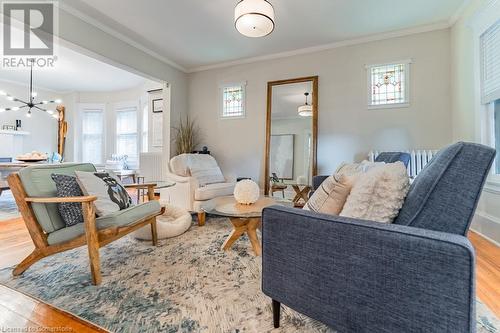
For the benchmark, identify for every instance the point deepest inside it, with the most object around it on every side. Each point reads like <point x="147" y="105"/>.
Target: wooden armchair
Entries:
<point x="35" y="192"/>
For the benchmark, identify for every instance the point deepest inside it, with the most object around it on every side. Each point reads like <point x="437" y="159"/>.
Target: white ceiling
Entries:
<point x="194" y="33"/>
<point x="287" y="98"/>
<point x="76" y="72"/>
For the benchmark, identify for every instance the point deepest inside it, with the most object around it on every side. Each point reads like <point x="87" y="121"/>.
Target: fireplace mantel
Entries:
<point x="12" y="132"/>
<point x="12" y="142"/>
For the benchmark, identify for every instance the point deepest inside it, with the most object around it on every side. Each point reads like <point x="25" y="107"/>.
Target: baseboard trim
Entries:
<point x="480" y="224"/>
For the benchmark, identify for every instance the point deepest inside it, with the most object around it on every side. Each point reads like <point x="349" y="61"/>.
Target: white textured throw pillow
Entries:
<point x="351" y="171"/>
<point x="378" y="194"/>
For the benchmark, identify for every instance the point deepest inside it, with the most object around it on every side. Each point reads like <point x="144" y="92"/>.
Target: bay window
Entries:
<point x="489" y="49"/>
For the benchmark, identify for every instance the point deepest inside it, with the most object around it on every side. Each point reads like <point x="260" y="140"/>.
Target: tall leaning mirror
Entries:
<point x="291" y="138"/>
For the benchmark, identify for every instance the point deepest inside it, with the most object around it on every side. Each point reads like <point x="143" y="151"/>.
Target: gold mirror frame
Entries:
<point x="270" y="85"/>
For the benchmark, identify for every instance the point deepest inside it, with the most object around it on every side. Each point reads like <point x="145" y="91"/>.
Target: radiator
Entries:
<point x="150" y="165"/>
<point x="418" y="159"/>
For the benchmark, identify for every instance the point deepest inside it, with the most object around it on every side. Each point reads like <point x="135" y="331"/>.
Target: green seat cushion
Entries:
<point x="117" y="219"/>
<point x="37" y="182"/>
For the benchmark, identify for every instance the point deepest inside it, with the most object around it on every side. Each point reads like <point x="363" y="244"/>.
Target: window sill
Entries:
<point x="233" y="117"/>
<point x="389" y="106"/>
<point x="492" y="186"/>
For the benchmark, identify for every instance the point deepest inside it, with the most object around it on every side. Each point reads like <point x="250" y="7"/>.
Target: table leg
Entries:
<point x="252" y="226"/>
<point x="305" y="193"/>
<point x="297" y="196"/>
<point x="239" y="228"/>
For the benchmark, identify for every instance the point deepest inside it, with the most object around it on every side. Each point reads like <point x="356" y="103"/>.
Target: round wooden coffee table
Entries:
<point x="244" y="218"/>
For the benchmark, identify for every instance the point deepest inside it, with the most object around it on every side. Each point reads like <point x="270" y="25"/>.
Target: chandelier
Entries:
<point x="305" y="110"/>
<point x="254" y="18"/>
<point x="30" y="103"/>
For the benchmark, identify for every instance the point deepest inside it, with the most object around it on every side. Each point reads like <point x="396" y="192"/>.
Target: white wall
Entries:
<point x="466" y="126"/>
<point x="347" y="130"/>
<point x="76" y="33"/>
<point x="42" y="126"/>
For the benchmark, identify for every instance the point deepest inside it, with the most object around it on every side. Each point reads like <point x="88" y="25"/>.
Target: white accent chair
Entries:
<point x="187" y="192"/>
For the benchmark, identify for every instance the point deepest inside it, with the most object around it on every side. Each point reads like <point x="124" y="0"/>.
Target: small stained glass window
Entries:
<point x="233" y="101"/>
<point x="388" y="85"/>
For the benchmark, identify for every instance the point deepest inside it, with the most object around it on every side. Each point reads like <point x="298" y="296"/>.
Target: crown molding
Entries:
<point x="101" y="26"/>
<point x="38" y="87"/>
<point x="324" y="47"/>
<point x="371" y="38"/>
<point x="459" y="12"/>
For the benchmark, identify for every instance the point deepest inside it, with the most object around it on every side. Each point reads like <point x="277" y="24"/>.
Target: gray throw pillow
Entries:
<point x="67" y="186"/>
<point x="111" y="195"/>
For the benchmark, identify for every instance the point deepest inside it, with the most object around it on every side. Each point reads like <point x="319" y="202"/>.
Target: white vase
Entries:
<point x="246" y="192"/>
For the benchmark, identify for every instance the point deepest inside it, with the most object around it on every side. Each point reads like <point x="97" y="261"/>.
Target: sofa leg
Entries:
<point x="92" y="241"/>
<point x="276" y="313"/>
<point x="201" y="218"/>
<point x="27" y="262"/>
<point x="154" y="233"/>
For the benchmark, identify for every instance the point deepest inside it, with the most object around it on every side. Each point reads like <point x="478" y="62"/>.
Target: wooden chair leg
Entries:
<point x="276" y="313"/>
<point x="95" y="264"/>
<point x="92" y="241"/>
<point x="27" y="262"/>
<point x="154" y="233"/>
<point x="201" y="218"/>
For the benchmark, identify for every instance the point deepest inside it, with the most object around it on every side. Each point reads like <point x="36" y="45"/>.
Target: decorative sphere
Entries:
<point x="246" y="192"/>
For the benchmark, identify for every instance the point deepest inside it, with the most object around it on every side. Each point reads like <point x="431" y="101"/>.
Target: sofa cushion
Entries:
<point x="110" y="193"/>
<point x="67" y="186"/>
<point x="206" y="176"/>
<point x="213" y="191"/>
<point x="330" y="196"/>
<point x="38" y="183"/>
<point x="392" y="157"/>
<point x="378" y="194"/>
<point x="184" y="164"/>
<point x="445" y="193"/>
<point x="117" y="219"/>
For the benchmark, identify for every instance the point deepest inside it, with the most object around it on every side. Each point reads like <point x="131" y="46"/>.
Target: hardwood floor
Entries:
<point x="19" y="310"/>
<point x="21" y="313"/>
<point x="487" y="271"/>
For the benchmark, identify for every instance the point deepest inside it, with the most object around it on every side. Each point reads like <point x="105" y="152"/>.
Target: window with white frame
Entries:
<point x="126" y="132"/>
<point x="489" y="44"/>
<point x="388" y="85"/>
<point x="232" y="101"/>
<point x="92" y="124"/>
<point x="496" y="136"/>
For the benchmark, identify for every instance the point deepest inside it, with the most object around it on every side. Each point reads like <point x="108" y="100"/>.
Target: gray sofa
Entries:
<point x="415" y="275"/>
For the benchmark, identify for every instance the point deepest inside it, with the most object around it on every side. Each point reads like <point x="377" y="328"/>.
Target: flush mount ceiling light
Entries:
<point x="254" y="18"/>
<point x="306" y="110"/>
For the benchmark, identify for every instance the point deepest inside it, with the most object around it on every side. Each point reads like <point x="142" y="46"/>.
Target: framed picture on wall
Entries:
<point x="158" y="105"/>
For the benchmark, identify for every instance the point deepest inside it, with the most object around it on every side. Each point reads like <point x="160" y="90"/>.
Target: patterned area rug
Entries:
<point x="186" y="285"/>
<point x="8" y="207"/>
